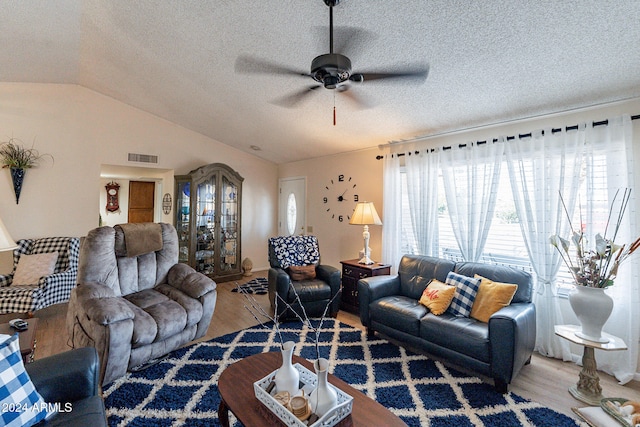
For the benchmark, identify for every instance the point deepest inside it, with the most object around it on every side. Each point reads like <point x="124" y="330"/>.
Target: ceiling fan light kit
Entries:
<point x="331" y="69"/>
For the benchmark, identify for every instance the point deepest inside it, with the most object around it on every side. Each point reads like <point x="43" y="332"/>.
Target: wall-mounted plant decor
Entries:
<point x="18" y="159"/>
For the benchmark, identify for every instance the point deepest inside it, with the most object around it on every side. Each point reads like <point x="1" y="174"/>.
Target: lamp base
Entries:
<point x="366" y="260"/>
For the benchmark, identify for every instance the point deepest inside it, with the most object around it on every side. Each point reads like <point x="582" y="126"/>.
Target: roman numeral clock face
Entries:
<point x="340" y="198"/>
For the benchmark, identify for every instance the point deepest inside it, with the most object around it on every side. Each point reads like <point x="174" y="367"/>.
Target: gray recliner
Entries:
<point x="134" y="302"/>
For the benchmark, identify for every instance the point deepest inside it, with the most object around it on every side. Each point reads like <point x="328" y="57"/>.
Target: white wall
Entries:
<point x="339" y="240"/>
<point x="83" y="130"/>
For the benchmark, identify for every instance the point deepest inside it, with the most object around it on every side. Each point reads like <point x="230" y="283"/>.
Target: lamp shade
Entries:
<point x="365" y="214"/>
<point x="6" y="242"/>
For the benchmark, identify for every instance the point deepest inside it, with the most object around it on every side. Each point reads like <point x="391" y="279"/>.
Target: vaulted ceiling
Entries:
<point x="490" y="61"/>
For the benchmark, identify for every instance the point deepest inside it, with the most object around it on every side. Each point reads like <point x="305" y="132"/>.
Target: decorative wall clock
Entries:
<point x="166" y="203"/>
<point x="113" y="203"/>
<point x="340" y="193"/>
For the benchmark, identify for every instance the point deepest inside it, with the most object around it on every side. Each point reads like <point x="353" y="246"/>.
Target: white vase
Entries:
<point x="593" y="307"/>
<point x="323" y="398"/>
<point x="287" y="378"/>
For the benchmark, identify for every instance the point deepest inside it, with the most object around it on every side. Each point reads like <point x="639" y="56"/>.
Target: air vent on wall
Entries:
<point x="143" y="158"/>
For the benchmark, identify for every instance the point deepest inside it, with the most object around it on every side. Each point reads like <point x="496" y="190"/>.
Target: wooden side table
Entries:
<point x="352" y="271"/>
<point x="588" y="388"/>
<point x="27" y="338"/>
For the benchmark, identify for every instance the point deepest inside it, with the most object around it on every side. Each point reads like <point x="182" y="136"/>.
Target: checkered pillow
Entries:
<point x="21" y="404"/>
<point x="466" y="291"/>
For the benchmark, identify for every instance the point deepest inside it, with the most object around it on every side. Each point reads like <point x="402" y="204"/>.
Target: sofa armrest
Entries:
<point x="189" y="281"/>
<point x="91" y="290"/>
<point x="101" y="304"/>
<point x="6" y="279"/>
<point x="512" y="336"/>
<point x="279" y="282"/>
<point x="331" y="276"/>
<point x="373" y="288"/>
<point x="66" y="377"/>
<point x="327" y="273"/>
<point x="64" y="277"/>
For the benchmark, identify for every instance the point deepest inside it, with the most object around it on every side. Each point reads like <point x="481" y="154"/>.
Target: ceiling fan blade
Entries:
<point x="418" y="74"/>
<point x="251" y="65"/>
<point x="357" y="100"/>
<point x="290" y="101"/>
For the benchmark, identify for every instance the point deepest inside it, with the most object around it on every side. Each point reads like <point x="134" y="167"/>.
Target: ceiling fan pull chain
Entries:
<point x="334" y="108"/>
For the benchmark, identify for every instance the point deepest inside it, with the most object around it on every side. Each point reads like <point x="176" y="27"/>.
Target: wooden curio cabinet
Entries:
<point x="208" y="213"/>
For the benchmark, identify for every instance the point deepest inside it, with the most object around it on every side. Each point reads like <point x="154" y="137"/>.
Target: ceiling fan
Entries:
<point x="331" y="70"/>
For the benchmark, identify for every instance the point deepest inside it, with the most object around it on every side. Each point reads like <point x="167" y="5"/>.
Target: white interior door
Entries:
<point x="292" y="215"/>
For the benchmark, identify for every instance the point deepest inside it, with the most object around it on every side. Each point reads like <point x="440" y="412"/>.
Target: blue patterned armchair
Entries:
<point x="48" y="290"/>
<point x="296" y="269"/>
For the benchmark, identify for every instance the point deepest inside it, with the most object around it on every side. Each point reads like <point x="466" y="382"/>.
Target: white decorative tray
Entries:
<point x="308" y="380"/>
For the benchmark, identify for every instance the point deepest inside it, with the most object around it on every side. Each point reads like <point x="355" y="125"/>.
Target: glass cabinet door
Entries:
<point x="183" y="207"/>
<point x="208" y="212"/>
<point x="229" y="225"/>
<point x="206" y="224"/>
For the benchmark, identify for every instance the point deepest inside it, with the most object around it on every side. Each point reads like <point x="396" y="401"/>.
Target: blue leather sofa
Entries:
<point x="70" y="380"/>
<point x="497" y="349"/>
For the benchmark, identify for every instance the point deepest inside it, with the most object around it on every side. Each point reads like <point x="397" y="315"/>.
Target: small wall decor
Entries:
<point x="113" y="202"/>
<point x="166" y="203"/>
<point x="18" y="159"/>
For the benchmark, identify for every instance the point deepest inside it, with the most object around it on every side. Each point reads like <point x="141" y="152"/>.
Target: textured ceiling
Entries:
<point x="490" y="61"/>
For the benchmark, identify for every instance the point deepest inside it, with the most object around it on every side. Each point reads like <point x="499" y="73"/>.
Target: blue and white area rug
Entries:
<point x="182" y="389"/>
<point x="258" y="286"/>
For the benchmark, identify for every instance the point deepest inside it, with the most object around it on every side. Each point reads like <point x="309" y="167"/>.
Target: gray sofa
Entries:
<point x="498" y="349"/>
<point x="135" y="304"/>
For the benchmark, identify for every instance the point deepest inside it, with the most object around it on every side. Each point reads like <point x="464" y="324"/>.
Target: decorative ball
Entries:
<point x="247" y="265"/>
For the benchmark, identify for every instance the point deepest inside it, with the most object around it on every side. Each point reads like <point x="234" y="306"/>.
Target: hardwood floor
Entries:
<point x="545" y="380"/>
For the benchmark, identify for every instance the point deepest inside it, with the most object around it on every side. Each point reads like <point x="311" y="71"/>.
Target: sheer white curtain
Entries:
<point x="471" y="175"/>
<point x="391" y="211"/>
<point x="422" y="194"/>
<point x="544" y="170"/>
<point x="610" y="148"/>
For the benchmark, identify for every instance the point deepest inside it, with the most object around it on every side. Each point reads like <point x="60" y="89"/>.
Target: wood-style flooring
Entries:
<point x="545" y="380"/>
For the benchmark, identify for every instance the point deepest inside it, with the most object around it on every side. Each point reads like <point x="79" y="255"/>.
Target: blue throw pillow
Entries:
<point x="21" y="404"/>
<point x="466" y="291"/>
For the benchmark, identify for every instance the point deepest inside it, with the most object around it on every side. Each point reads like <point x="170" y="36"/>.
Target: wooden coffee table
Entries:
<point x="27" y="338"/>
<point x="236" y="391"/>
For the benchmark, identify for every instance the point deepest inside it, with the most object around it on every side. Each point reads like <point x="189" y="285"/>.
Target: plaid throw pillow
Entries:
<point x="21" y="404"/>
<point x="466" y="291"/>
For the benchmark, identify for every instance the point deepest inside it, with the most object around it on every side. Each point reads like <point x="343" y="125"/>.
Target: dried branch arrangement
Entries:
<point x="263" y="317"/>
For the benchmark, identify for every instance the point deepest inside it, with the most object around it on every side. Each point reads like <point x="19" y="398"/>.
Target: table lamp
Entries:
<point x="6" y="242"/>
<point x="365" y="214"/>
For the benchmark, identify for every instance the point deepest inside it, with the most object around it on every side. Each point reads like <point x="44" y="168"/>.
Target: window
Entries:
<point x="291" y="213"/>
<point x="505" y="244"/>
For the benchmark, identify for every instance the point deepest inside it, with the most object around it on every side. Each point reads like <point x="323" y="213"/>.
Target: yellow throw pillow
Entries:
<point x="32" y="267"/>
<point x="491" y="297"/>
<point x="437" y="296"/>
